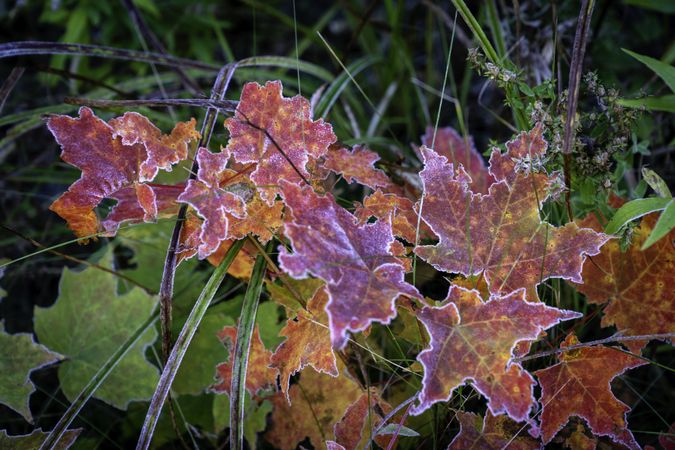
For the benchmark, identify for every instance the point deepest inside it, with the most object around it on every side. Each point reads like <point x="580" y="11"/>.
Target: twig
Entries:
<point x="9" y="84"/>
<point x="644" y="337"/>
<point x="25" y="48"/>
<point x="169" y="272"/>
<point x="228" y="106"/>
<point x="578" y="52"/>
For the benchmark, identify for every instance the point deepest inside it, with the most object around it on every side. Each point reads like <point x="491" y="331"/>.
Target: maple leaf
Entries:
<point x="403" y="217"/>
<point x="111" y="157"/>
<point x="490" y="433"/>
<point x="501" y="234"/>
<point x="353" y="430"/>
<point x="318" y="402"/>
<point x="579" y="440"/>
<point x="88" y="323"/>
<point x="363" y="278"/>
<point x="474" y="340"/>
<point x="292" y="293"/>
<point x="211" y="202"/>
<point x="189" y="241"/>
<point x="261" y="220"/>
<point x="579" y="385"/>
<point x="20" y="355"/>
<point x="162" y="151"/>
<point x="276" y="133"/>
<point x="35" y="440"/>
<point x="458" y="151"/>
<point x="258" y="374"/>
<point x="357" y="165"/>
<point x="638" y="284"/>
<point x="307" y="344"/>
<point x="129" y="208"/>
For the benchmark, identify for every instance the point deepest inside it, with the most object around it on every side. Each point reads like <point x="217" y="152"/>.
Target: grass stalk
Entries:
<point x="184" y="338"/>
<point x="249" y="310"/>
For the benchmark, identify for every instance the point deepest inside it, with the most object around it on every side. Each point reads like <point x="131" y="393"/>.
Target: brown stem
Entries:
<point x="166" y="286"/>
<point x="644" y="337"/>
<point x="222" y="105"/>
<point x="576" y="65"/>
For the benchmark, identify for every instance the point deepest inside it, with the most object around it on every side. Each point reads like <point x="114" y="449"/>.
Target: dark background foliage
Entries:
<point x="405" y="45"/>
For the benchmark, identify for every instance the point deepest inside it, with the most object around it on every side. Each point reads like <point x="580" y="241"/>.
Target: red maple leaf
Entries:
<point x="277" y="134"/>
<point x="357" y="165"/>
<point x="638" y="284"/>
<point x="258" y="373"/>
<point x="362" y="276"/>
<point x="128" y="208"/>
<point x="501" y="234"/>
<point x="212" y="202"/>
<point x="162" y="151"/>
<point x="113" y="157"/>
<point x="474" y="340"/>
<point x="579" y="385"/>
<point x="490" y="433"/>
<point x="462" y="151"/>
<point x="307" y="342"/>
<point x="404" y="219"/>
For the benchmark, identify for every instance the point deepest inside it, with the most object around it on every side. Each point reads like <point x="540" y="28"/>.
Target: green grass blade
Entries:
<point x="249" y="310"/>
<point x="287" y="63"/>
<point x="633" y="210"/>
<point x="181" y="346"/>
<point x="476" y="29"/>
<point x="663" y="70"/>
<point x="76" y="406"/>
<point x="662" y="103"/>
<point x="338" y="85"/>
<point x="665" y="223"/>
<point x="496" y="28"/>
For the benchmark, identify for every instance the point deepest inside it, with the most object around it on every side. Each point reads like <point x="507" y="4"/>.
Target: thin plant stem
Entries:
<point x="182" y="343"/>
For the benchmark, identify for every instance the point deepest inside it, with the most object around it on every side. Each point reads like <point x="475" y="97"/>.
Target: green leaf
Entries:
<point x="35" y="440"/>
<point x="269" y="325"/>
<point x="19" y="356"/>
<point x="665" y="223"/>
<point x="656" y="183"/>
<point x="633" y="210"/>
<point x="149" y="243"/>
<point x="663" y="70"/>
<point x="393" y="428"/>
<point x="88" y="323"/>
<point x="255" y="417"/>
<point x="663" y="103"/>
<point x="197" y="371"/>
